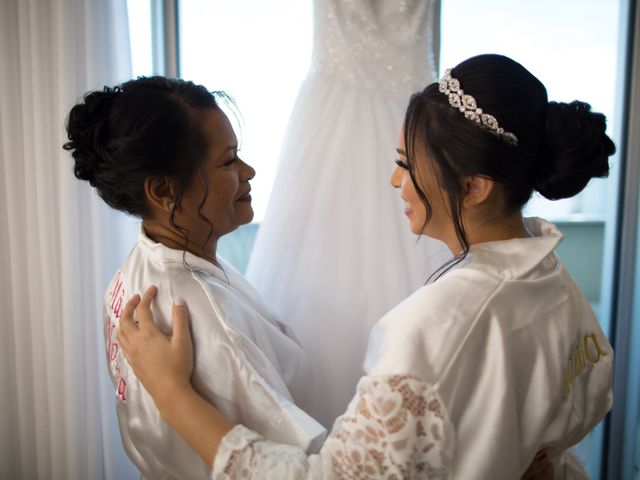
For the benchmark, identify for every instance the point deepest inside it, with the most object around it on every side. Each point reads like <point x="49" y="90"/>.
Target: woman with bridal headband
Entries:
<point x="163" y="150"/>
<point x="500" y="357"/>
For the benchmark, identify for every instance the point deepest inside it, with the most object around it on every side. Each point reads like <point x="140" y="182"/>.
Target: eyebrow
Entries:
<point x="233" y="148"/>
<point x="401" y="152"/>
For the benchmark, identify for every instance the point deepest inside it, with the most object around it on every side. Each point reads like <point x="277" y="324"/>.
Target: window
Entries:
<point x="140" y="37"/>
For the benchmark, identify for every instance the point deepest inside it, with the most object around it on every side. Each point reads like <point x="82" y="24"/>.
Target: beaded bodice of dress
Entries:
<point x="382" y="46"/>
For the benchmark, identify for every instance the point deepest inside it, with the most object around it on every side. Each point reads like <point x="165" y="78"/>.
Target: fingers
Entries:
<point x="148" y="296"/>
<point x="145" y="320"/>
<point x="145" y="316"/>
<point x="180" y="320"/>
<point x="141" y="305"/>
<point x="127" y="323"/>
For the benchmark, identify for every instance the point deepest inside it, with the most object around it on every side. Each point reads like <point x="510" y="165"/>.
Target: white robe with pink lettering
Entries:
<point x="466" y="379"/>
<point x="246" y="362"/>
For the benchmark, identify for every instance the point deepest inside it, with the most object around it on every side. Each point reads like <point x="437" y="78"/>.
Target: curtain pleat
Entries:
<point x="59" y="244"/>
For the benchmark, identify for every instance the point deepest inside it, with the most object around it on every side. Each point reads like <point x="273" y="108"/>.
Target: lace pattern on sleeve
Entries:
<point x="396" y="427"/>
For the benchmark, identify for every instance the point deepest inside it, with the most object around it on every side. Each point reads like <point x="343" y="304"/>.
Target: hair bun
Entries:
<point x="88" y="134"/>
<point x="578" y="149"/>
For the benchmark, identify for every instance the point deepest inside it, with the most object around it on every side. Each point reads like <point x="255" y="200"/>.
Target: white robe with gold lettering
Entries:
<point x="246" y="362"/>
<point x="466" y="379"/>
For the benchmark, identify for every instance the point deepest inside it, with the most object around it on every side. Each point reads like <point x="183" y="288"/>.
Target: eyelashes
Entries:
<point x="235" y="158"/>
<point x="402" y="164"/>
<point x="230" y="162"/>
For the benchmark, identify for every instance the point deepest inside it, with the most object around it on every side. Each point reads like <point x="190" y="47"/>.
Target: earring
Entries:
<point x="172" y="205"/>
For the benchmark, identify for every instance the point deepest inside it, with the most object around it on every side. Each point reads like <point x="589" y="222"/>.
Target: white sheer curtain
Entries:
<point x="58" y="244"/>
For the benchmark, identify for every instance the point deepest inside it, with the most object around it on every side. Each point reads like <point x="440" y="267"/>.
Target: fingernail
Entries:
<point x="178" y="302"/>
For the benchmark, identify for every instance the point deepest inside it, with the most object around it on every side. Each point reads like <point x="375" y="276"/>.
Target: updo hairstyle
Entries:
<point x="121" y="136"/>
<point x="560" y="146"/>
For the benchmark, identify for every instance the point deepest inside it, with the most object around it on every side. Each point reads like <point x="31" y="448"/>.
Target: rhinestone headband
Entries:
<point x="467" y="104"/>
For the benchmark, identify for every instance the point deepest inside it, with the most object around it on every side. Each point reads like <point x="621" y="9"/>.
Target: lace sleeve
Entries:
<point x="396" y="427"/>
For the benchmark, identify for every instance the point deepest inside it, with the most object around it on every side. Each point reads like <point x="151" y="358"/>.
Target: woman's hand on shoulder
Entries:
<point x="162" y="363"/>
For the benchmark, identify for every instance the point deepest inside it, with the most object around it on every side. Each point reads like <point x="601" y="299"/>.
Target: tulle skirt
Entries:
<point x="335" y="252"/>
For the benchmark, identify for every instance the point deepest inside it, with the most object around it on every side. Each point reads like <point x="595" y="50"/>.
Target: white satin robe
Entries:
<point x="246" y="362"/>
<point x="466" y="379"/>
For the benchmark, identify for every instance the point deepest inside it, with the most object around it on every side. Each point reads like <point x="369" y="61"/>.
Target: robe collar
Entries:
<point x="164" y="254"/>
<point x="517" y="257"/>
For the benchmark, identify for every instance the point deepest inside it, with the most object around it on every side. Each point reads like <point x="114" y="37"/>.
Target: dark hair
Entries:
<point x="120" y="136"/>
<point x="560" y="146"/>
<point x="147" y="127"/>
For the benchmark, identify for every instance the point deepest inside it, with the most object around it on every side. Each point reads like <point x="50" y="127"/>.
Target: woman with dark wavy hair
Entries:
<point x="500" y="357"/>
<point x="163" y="150"/>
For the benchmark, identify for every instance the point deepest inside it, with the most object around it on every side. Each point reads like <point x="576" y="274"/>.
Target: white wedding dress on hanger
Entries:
<point x="334" y="252"/>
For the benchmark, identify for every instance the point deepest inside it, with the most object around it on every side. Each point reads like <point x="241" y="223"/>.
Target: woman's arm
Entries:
<point x="395" y="424"/>
<point x="165" y="370"/>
